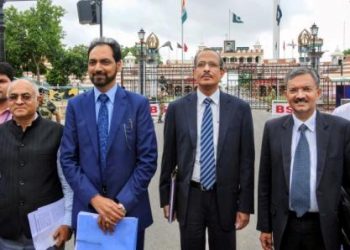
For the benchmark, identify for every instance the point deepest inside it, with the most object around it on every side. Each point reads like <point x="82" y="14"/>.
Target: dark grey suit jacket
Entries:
<point x="333" y="165"/>
<point x="235" y="156"/>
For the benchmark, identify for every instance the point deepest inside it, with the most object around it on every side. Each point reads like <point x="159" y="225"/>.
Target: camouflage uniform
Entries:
<point x="47" y="109"/>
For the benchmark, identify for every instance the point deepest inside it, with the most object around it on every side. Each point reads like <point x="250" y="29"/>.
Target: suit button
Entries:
<point x="21" y="203"/>
<point x="21" y="183"/>
<point x="22" y="145"/>
<point x="21" y="164"/>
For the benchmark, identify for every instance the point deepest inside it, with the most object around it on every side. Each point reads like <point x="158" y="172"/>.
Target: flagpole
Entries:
<point x="182" y="52"/>
<point x="229" y="24"/>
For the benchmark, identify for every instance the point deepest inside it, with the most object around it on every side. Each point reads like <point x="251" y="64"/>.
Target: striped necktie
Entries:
<point x="207" y="158"/>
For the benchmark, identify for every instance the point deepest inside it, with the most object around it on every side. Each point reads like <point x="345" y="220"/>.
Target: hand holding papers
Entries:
<point x="44" y="222"/>
<point x="91" y="237"/>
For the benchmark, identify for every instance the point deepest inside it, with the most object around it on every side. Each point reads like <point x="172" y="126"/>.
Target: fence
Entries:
<point x="256" y="84"/>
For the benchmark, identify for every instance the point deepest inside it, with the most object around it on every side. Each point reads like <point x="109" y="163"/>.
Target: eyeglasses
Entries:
<point x="25" y="97"/>
<point x="202" y="64"/>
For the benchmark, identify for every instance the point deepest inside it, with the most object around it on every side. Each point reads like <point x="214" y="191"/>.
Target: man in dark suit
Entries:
<point x="208" y="136"/>
<point x="305" y="159"/>
<point x="109" y="148"/>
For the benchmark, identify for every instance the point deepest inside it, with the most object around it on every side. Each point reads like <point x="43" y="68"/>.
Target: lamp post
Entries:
<point x="141" y="35"/>
<point x="314" y="31"/>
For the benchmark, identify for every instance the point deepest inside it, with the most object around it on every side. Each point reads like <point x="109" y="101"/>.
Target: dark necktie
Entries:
<point x="102" y="124"/>
<point x="207" y="158"/>
<point x="300" y="187"/>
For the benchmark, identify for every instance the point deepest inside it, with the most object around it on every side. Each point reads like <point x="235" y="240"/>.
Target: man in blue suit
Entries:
<point x="109" y="148"/>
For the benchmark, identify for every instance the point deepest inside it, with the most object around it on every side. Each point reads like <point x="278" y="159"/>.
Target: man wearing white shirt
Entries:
<point x="305" y="159"/>
<point x="208" y="136"/>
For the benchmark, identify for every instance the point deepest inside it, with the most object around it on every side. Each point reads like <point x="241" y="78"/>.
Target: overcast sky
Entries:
<point x="208" y="23"/>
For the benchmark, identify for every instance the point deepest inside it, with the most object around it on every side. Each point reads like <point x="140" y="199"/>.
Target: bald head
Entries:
<point x="24" y="82"/>
<point x="23" y="101"/>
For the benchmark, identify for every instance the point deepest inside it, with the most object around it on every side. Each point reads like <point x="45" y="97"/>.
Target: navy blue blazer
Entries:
<point x="131" y="154"/>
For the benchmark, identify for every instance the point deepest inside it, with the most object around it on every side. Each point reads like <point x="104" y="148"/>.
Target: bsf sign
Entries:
<point x="281" y="107"/>
<point x="155" y="109"/>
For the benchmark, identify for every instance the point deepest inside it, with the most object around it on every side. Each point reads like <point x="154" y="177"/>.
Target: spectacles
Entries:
<point x="25" y="97"/>
<point x="202" y="64"/>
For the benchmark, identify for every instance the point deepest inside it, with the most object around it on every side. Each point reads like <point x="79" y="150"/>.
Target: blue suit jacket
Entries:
<point x="131" y="154"/>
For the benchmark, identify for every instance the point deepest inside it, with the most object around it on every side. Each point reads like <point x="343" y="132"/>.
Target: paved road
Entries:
<point x="164" y="236"/>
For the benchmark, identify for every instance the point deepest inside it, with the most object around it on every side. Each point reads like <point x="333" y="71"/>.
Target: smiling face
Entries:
<point x="23" y="100"/>
<point x="208" y="71"/>
<point x="102" y="67"/>
<point x="302" y="94"/>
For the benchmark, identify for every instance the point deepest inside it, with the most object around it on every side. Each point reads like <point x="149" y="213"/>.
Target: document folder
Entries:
<point x="91" y="237"/>
<point x="172" y="197"/>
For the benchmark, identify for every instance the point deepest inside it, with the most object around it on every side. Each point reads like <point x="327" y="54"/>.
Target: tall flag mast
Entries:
<point x="277" y="16"/>
<point x="183" y="20"/>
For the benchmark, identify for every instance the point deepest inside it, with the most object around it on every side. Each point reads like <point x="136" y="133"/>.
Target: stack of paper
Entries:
<point x="44" y="222"/>
<point x="91" y="237"/>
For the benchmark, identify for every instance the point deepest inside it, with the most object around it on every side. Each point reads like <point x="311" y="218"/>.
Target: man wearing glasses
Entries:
<point x="208" y="136"/>
<point x="29" y="175"/>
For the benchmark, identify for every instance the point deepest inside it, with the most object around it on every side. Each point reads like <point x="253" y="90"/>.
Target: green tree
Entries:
<point x="72" y="61"/>
<point x="33" y="37"/>
<point x="346" y="52"/>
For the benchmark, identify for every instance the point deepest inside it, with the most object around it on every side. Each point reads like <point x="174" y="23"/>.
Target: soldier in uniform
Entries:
<point x="161" y="98"/>
<point x="47" y="108"/>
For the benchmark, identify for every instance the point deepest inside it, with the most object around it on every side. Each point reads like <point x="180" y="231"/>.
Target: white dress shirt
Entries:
<point x="215" y="108"/>
<point x="310" y="134"/>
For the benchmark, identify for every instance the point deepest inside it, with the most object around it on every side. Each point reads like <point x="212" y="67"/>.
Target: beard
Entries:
<point x="3" y="97"/>
<point x="102" y="79"/>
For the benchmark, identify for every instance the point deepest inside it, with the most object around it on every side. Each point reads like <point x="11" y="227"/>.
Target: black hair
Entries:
<point x="113" y="44"/>
<point x="6" y="69"/>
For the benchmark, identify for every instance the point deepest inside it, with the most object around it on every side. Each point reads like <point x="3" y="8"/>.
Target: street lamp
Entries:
<point x="314" y="31"/>
<point x="141" y="35"/>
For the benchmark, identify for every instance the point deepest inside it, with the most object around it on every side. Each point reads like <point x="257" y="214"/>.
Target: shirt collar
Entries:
<point x="110" y="93"/>
<point x="215" y="97"/>
<point x="310" y="123"/>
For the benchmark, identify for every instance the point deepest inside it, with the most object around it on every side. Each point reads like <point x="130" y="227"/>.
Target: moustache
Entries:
<point x="300" y="100"/>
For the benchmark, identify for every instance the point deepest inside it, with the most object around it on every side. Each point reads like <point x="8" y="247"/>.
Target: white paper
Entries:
<point x="43" y="223"/>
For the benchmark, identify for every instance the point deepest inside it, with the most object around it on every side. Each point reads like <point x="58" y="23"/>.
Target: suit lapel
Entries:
<point x="322" y="137"/>
<point x="286" y="138"/>
<point x="119" y="109"/>
<point x="191" y="116"/>
<point x="225" y="116"/>
<point x="89" y="110"/>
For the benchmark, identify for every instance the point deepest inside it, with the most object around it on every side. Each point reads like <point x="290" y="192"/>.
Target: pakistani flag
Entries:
<point x="183" y="11"/>
<point x="236" y="19"/>
<point x="278" y="14"/>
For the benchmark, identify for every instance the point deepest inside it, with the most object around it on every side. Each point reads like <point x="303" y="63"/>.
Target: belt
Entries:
<point x="306" y="216"/>
<point x="198" y="185"/>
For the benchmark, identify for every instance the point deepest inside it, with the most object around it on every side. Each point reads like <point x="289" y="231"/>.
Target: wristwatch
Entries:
<point x="121" y="206"/>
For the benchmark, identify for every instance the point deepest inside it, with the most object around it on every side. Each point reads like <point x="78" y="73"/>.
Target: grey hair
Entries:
<point x="302" y="71"/>
<point x="32" y="84"/>
<point x="221" y="61"/>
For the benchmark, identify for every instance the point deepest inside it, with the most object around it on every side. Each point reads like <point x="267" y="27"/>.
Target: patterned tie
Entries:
<point x="300" y="187"/>
<point x="207" y="158"/>
<point x="102" y="124"/>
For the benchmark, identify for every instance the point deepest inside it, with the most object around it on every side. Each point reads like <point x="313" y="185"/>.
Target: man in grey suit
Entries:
<point x="208" y="136"/>
<point x="305" y="159"/>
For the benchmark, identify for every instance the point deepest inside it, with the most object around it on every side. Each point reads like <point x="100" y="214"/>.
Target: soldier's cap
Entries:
<point x="43" y="90"/>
